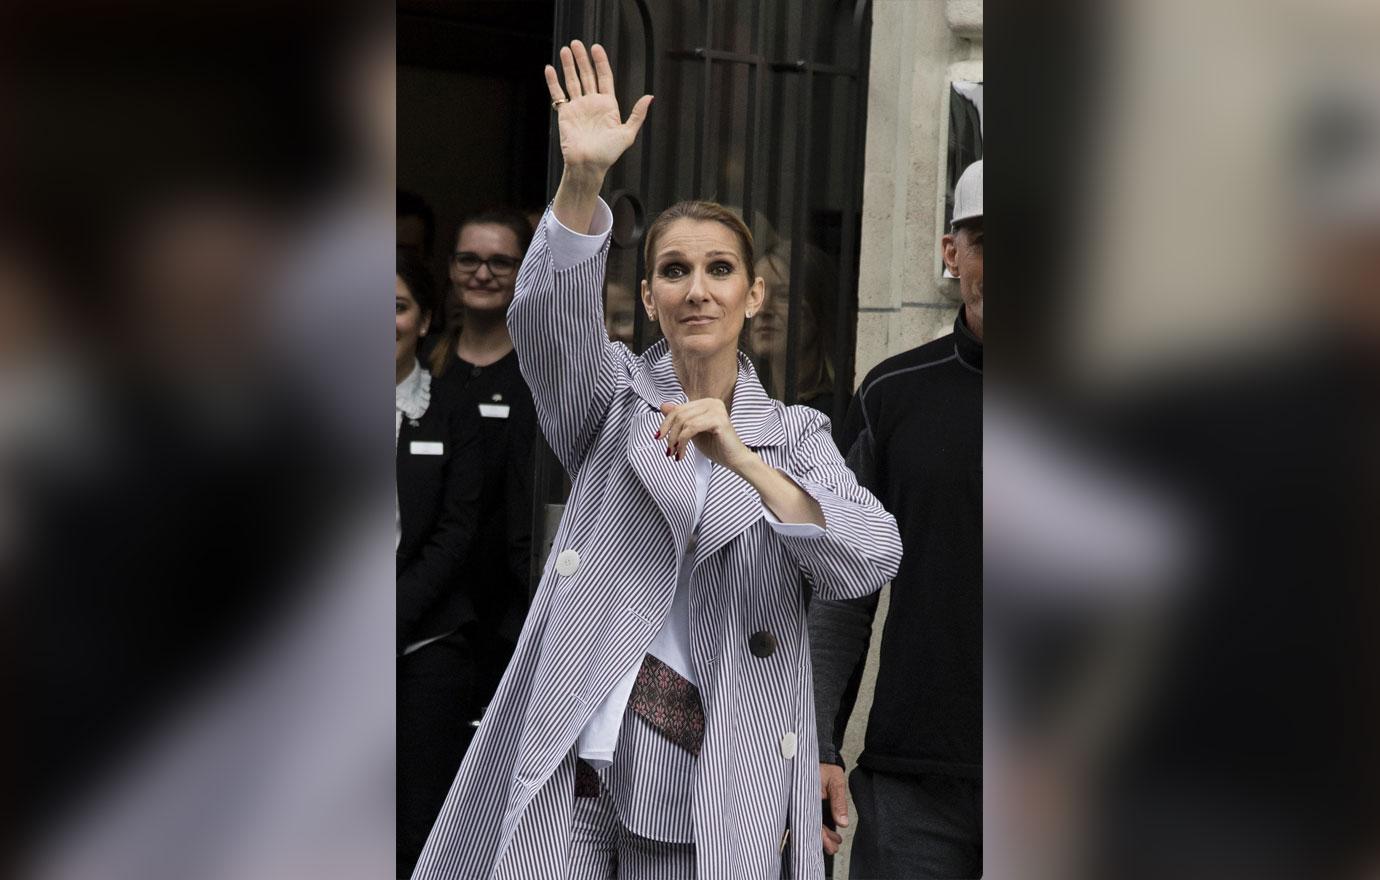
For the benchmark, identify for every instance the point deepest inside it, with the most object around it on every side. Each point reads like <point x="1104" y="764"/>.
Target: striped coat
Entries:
<point x="609" y="583"/>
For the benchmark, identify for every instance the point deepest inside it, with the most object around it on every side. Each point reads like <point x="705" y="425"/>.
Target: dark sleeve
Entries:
<point x="840" y="630"/>
<point x="518" y="495"/>
<point x="859" y="446"/>
<point x="846" y="434"/>
<point x="839" y="635"/>
<point x="438" y="566"/>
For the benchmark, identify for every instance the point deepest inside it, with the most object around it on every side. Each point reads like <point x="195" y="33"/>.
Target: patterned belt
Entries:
<point x="669" y="703"/>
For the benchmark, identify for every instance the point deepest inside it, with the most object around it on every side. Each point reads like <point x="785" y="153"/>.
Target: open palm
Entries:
<point x="592" y="133"/>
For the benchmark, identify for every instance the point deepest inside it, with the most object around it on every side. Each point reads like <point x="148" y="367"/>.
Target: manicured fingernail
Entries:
<point x="668" y="452"/>
<point x="657" y="436"/>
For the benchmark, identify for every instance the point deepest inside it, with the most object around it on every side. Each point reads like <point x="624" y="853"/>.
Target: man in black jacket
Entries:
<point x="914" y="437"/>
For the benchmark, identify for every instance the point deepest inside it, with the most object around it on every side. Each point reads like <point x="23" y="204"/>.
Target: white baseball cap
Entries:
<point x="968" y="194"/>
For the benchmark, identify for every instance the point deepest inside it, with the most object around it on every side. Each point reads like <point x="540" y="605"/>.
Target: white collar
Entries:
<point x="413" y="394"/>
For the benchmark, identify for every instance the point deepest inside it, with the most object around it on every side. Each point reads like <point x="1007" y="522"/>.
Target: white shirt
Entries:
<point x="671" y="644"/>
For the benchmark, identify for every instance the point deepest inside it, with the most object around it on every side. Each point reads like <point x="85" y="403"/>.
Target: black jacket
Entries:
<point x="507" y="425"/>
<point x="914" y="435"/>
<point x="438" y="501"/>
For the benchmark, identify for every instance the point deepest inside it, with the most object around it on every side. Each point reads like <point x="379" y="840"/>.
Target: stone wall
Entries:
<point x="918" y="48"/>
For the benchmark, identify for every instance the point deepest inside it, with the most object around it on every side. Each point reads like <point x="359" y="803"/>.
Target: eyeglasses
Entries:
<point x="499" y="265"/>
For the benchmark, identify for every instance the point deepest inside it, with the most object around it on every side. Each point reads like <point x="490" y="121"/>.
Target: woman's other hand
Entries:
<point x="706" y="422"/>
<point x="593" y="135"/>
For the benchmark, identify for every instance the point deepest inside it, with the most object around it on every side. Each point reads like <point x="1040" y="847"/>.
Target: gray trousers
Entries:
<point x="915" y="827"/>
<point x="602" y="848"/>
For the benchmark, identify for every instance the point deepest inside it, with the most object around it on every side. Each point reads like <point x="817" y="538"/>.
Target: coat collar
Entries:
<point x="755" y="416"/>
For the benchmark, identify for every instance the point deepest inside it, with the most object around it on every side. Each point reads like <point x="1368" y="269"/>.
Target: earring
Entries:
<point x="749" y="313"/>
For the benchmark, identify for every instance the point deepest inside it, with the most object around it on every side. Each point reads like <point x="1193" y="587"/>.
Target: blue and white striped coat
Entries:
<point x="508" y="813"/>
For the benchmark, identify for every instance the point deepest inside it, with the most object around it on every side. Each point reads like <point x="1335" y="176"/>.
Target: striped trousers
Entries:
<point x="602" y="848"/>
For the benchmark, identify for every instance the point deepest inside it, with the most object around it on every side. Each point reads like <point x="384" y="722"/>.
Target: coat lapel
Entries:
<point x="670" y="483"/>
<point x="732" y="506"/>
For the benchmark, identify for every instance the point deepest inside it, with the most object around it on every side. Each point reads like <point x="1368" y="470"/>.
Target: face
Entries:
<point x="701" y="289"/>
<point x="963" y="256"/>
<point x="618" y="313"/>
<point x="770" y="323"/>
<point x="488" y="287"/>
<point x="410" y="325"/>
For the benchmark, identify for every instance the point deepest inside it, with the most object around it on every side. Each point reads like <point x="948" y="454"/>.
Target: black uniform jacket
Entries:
<point x="438" y="500"/>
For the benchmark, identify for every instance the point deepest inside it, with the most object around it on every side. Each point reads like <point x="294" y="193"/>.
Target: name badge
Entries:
<point x="421" y="447"/>
<point x="493" y="410"/>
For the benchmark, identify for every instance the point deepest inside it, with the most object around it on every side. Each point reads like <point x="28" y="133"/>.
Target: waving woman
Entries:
<point x="656" y="719"/>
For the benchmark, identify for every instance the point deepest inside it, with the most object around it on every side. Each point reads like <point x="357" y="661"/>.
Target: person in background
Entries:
<point x="474" y="360"/>
<point x="814" y="364"/>
<point x="416" y="224"/>
<point x="914" y="437"/>
<point x="620" y="306"/>
<point x="436" y="518"/>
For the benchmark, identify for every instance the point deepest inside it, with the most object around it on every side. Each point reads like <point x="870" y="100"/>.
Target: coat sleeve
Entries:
<point x="438" y="566"/>
<point x="860" y="549"/>
<point x="556" y="320"/>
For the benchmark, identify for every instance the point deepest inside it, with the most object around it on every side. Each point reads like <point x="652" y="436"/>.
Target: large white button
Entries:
<point x="788" y="746"/>
<point x="567" y="563"/>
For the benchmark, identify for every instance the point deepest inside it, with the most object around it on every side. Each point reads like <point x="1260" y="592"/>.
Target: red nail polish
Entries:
<point x="657" y="436"/>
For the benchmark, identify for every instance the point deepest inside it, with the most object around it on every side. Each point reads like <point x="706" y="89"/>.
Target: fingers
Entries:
<point x="833" y="787"/>
<point x="678" y="429"/>
<point x="666" y="410"/>
<point x="553" y="84"/>
<point x="589" y="84"/>
<point x="602" y="68"/>
<point x="837" y="792"/>
<point x="832" y="839"/>
<point x="572" y="81"/>
<point x="638" y="114"/>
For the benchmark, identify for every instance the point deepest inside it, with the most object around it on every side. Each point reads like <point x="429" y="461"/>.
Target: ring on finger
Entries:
<point x="555" y="105"/>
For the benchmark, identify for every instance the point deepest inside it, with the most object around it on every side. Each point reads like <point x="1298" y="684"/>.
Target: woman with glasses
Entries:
<point x="657" y="719"/>
<point x="474" y="361"/>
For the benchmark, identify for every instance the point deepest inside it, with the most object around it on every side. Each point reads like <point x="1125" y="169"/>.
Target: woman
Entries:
<point x="475" y="360"/>
<point x="657" y="718"/>
<point x="770" y="325"/>
<point x="436" y="517"/>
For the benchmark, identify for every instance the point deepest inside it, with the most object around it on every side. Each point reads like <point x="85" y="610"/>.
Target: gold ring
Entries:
<point x="555" y="104"/>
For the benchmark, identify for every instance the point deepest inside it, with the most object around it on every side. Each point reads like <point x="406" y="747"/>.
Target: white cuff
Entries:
<point x="570" y="248"/>
<point x="791" y="530"/>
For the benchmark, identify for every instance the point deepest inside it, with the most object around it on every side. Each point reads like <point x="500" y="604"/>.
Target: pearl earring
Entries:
<point x="749" y="314"/>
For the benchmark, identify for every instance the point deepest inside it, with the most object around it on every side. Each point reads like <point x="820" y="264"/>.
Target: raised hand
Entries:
<point x="593" y="135"/>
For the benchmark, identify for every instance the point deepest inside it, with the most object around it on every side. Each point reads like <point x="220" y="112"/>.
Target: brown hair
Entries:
<point x="443" y="351"/>
<point x="711" y="212"/>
